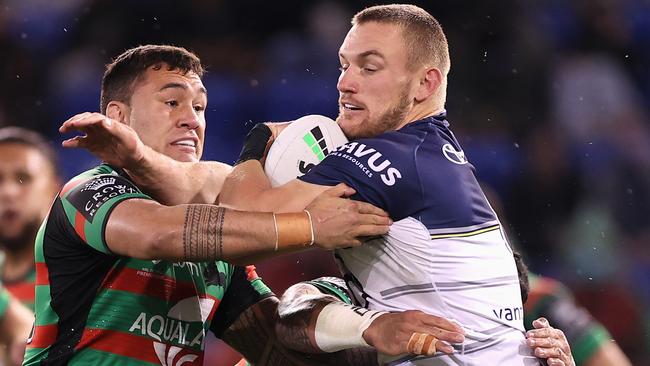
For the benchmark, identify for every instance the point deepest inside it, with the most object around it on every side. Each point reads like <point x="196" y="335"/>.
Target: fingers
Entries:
<point x="541" y="323"/>
<point x="340" y="190"/>
<point x="82" y="121"/>
<point x="372" y="231"/>
<point x="367" y="208"/>
<point x="443" y="324"/>
<point x="548" y="353"/>
<point x="422" y="344"/>
<point x="74" y="142"/>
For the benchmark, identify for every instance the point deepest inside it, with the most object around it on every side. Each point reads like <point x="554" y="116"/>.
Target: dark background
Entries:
<point x="550" y="100"/>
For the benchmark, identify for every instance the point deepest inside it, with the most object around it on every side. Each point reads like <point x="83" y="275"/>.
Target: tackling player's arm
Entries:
<point x="253" y="335"/>
<point x="145" y="229"/>
<point x="318" y="319"/>
<point x="169" y="181"/>
<point x="248" y="188"/>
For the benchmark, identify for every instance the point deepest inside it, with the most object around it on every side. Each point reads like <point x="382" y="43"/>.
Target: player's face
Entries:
<point x="375" y="86"/>
<point x="27" y="188"/>
<point x="167" y="110"/>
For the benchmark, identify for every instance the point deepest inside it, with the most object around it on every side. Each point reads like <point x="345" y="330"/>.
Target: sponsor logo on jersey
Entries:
<point x="89" y="197"/>
<point x="182" y="325"/>
<point x="369" y="161"/>
<point x="453" y="155"/>
<point x="515" y="313"/>
<point x="317" y="144"/>
<point x="167" y="356"/>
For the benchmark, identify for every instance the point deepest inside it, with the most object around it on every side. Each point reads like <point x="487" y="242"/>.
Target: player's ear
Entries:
<point x="118" y="111"/>
<point x="430" y="81"/>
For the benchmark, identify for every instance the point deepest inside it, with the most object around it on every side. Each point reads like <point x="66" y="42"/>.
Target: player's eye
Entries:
<point x="172" y="103"/>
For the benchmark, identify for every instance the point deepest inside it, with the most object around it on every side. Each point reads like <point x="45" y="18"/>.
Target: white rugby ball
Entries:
<point x="300" y="146"/>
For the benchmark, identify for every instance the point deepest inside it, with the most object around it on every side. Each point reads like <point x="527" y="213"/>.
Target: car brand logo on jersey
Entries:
<point x="453" y="155"/>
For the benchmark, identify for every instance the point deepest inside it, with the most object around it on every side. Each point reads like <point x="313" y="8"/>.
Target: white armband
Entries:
<point x="340" y="326"/>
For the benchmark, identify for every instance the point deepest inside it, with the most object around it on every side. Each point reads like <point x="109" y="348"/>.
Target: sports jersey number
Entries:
<point x="359" y="297"/>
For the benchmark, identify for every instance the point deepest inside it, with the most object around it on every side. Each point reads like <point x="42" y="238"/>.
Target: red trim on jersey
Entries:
<point x="242" y="362"/>
<point x="251" y="274"/>
<point x="71" y="184"/>
<point x="130" y="345"/>
<point x="23" y="291"/>
<point x="150" y="284"/>
<point x="42" y="274"/>
<point x="44" y="336"/>
<point x="80" y="225"/>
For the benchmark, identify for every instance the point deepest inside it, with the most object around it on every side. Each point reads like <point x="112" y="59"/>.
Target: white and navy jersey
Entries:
<point x="445" y="254"/>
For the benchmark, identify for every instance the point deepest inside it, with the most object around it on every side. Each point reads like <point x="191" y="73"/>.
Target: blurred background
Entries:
<point x="550" y="99"/>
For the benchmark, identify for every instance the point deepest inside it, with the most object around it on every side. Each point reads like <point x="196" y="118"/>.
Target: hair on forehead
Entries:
<point x="32" y="139"/>
<point x="126" y="69"/>
<point x="422" y="33"/>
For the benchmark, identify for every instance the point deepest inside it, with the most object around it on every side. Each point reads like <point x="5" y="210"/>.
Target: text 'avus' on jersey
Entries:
<point x="375" y="161"/>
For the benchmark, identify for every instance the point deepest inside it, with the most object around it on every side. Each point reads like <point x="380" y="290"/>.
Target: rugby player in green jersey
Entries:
<point x="122" y="279"/>
<point x="591" y="343"/>
<point x="28" y="184"/>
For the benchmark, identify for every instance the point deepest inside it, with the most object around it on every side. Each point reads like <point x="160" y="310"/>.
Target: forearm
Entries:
<point x="202" y="232"/>
<point x="253" y="335"/>
<point x="172" y="182"/>
<point x="248" y="188"/>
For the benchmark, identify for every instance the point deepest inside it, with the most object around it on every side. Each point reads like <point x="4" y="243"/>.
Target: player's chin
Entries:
<point x="350" y="126"/>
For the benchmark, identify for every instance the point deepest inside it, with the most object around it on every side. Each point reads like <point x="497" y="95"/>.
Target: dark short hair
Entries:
<point x="423" y="34"/>
<point x="121" y="74"/>
<point x="23" y="136"/>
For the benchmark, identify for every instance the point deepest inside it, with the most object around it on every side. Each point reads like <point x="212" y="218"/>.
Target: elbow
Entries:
<point x="157" y="244"/>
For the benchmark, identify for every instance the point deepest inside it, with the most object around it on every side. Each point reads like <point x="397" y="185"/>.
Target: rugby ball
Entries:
<point x="301" y="146"/>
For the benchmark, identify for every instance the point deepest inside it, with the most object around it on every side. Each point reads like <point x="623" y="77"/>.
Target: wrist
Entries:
<point x="340" y="326"/>
<point x="293" y="230"/>
<point x="255" y="143"/>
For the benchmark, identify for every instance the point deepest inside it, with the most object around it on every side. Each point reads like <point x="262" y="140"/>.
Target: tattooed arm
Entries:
<point x="316" y="319"/>
<point x="253" y="335"/>
<point x="145" y="229"/>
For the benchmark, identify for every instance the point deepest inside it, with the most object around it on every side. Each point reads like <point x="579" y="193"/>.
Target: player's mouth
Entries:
<point x="187" y="144"/>
<point x="350" y="107"/>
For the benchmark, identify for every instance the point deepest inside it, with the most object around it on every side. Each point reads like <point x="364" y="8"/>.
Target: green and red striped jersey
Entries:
<point x="551" y="299"/>
<point x="94" y="307"/>
<point x="23" y="289"/>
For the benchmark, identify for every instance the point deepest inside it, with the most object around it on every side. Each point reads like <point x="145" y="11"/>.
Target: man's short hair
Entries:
<point x="425" y="40"/>
<point x="122" y="74"/>
<point x="23" y="136"/>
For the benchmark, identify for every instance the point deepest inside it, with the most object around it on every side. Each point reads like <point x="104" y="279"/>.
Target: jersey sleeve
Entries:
<point x="381" y="172"/>
<point x="333" y="286"/>
<point x="246" y="288"/>
<point x="88" y="203"/>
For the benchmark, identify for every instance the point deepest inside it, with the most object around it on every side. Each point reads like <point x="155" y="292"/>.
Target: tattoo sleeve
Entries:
<point x="253" y="334"/>
<point x="202" y="232"/>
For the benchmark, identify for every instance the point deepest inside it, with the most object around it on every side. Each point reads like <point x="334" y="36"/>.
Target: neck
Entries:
<point x="17" y="263"/>
<point x="420" y="112"/>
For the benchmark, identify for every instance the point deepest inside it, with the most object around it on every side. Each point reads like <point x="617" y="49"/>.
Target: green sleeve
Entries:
<point x="90" y="201"/>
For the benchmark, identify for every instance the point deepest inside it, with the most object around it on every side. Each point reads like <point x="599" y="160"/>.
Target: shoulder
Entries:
<point x="94" y="188"/>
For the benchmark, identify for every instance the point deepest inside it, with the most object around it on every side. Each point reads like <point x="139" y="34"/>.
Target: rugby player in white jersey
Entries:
<point x="446" y="254"/>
